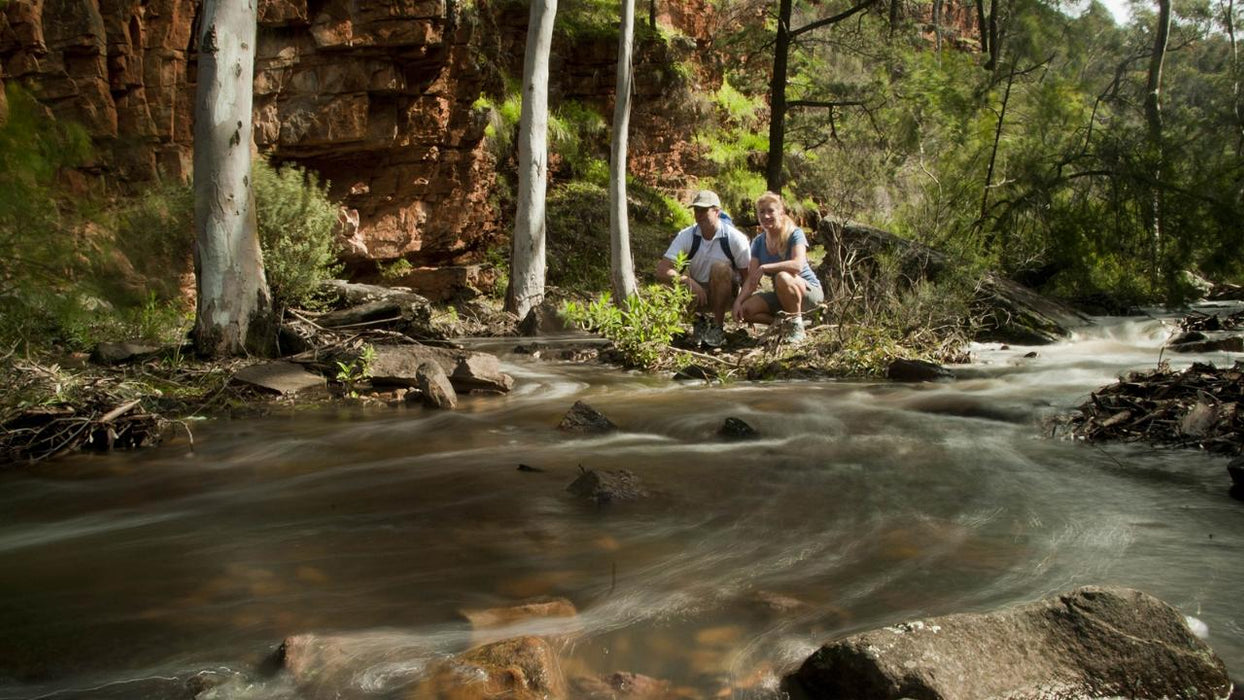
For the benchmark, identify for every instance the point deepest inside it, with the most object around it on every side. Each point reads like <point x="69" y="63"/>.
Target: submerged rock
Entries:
<point x="582" y="418"/>
<point x="917" y="371"/>
<point x="486" y="618"/>
<point x="1091" y="642"/>
<point x="607" y="486"/>
<point x="737" y="429"/>
<point x="525" y="668"/>
<point x="620" y="686"/>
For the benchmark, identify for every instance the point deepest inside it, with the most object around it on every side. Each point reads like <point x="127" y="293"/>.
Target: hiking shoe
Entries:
<point x="714" y="336"/>
<point x="794" y="331"/>
<point x="698" y="329"/>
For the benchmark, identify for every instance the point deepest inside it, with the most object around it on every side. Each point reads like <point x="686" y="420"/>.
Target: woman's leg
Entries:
<point x="756" y="310"/>
<point x="789" y="289"/>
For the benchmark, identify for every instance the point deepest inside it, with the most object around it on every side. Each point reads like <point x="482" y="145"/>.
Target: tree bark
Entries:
<point x="981" y="26"/>
<point x="1153" y="116"/>
<point x="622" y="268"/>
<point x="993" y="155"/>
<point x="234" y="307"/>
<point x="995" y="51"/>
<point x="777" y="83"/>
<point x="527" y="264"/>
<point x="777" y="99"/>
<point x="1238" y="108"/>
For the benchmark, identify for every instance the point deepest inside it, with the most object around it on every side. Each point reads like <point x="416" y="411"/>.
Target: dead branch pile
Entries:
<point x="101" y="417"/>
<point x="1198" y="321"/>
<point x="1199" y="407"/>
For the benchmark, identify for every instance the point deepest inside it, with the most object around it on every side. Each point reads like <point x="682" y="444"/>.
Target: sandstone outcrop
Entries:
<point x="1092" y="642"/>
<point x="379" y="98"/>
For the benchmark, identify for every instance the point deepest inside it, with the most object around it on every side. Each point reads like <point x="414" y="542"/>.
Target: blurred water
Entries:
<point x="862" y="505"/>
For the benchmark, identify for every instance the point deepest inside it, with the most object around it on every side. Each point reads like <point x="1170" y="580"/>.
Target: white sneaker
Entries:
<point x="794" y="331"/>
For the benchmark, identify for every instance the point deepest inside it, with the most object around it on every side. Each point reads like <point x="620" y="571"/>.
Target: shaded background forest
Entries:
<point x="1019" y="135"/>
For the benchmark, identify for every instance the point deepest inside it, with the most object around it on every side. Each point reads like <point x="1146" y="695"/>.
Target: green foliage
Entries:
<point x="643" y="327"/>
<point x="578" y="136"/>
<point x="578" y="232"/>
<point x="587" y="20"/>
<point x="352" y="370"/>
<point x="296" y="220"/>
<point x="396" y="269"/>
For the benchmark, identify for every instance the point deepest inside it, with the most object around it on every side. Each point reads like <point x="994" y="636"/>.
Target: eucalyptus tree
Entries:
<point x="527" y="263"/>
<point x="1153" y="117"/>
<point x="234" y="310"/>
<point x="622" y="269"/>
<point x="784" y="40"/>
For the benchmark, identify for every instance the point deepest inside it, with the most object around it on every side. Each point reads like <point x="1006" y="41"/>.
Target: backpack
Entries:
<point x="697" y="239"/>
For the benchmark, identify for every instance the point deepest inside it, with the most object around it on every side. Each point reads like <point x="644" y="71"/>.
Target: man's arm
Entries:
<point x="667" y="273"/>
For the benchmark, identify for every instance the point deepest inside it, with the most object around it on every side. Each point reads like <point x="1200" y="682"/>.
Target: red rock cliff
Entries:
<point x="375" y="96"/>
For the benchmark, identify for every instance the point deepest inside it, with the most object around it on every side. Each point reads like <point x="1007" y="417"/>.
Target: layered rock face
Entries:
<point x="377" y="97"/>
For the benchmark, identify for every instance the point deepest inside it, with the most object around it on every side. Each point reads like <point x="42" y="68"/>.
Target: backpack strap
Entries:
<point x="697" y="239"/>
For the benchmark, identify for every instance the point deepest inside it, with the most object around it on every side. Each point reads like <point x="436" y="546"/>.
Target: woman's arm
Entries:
<point x="794" y="264"/>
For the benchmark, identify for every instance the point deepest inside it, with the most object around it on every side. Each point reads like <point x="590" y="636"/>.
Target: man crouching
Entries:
<point x="718" y="255"/>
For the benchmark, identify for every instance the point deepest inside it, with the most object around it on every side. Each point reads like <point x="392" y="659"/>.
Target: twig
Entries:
<point x="118" y="411"/>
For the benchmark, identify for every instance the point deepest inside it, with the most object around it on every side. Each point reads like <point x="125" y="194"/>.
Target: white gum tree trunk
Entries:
<point x="234" y="311"/>
<point x="622" y="268"/>
<point x="527" y="262"/>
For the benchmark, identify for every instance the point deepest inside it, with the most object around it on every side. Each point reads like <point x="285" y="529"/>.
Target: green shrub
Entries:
<point x="296" y="220"/>
<point x="642" y="330"/>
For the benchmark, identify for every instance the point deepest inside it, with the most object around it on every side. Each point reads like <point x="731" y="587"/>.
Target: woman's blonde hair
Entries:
<point x="785" y="225"/>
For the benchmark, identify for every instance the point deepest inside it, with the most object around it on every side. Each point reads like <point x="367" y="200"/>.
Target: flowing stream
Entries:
<point x="862" y="505"/>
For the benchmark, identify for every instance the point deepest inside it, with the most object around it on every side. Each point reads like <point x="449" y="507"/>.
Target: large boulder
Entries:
<point x="1092" y="642"/>
<point x="354" y="665"/>
<point x="398" y="365"/>
<point x="363" y="665"/>
<point x="525" y="668"/>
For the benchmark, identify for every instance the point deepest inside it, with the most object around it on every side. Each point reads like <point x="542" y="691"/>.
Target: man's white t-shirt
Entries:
<point x="710" y="252"/>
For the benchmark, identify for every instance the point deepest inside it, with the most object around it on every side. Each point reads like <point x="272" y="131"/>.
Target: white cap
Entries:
<point x="706" y="198"/>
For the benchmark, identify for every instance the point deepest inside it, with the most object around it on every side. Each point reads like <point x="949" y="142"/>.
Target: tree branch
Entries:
<point x="832" y="20"/>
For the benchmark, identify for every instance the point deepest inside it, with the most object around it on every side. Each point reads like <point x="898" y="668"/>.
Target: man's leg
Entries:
<point x="720" y="291"/>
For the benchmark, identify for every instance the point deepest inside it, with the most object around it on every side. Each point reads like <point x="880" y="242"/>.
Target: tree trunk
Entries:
<point x="995" y="51"/>
<point x="527" y="264"/>
<point x="1153" y="115"/>
<point x="1229" y="24"/>
<point x="777" y="99"/>
<point x="234" y="313"/>
<point x="982" y="26"/>
<point x="622" y="269"/>
<point x="993" y="159"/>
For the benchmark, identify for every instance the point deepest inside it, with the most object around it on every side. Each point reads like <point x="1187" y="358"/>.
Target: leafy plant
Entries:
<point x="352" y="370"/>
<point x="296" y="218"/>
<point x="643" y="326"/>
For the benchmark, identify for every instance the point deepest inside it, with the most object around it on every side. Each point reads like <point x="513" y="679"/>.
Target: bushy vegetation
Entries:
<point x="296" y="219"/>
<point x="79" y="266"/>
<point x="642" y="327"/>
<point x="1042" y="164"/>
<point x="62" y="274"/>
<point x="578" y="233"/>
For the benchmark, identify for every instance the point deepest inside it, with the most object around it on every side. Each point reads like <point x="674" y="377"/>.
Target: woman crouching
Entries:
<point x="780" y="252"/>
